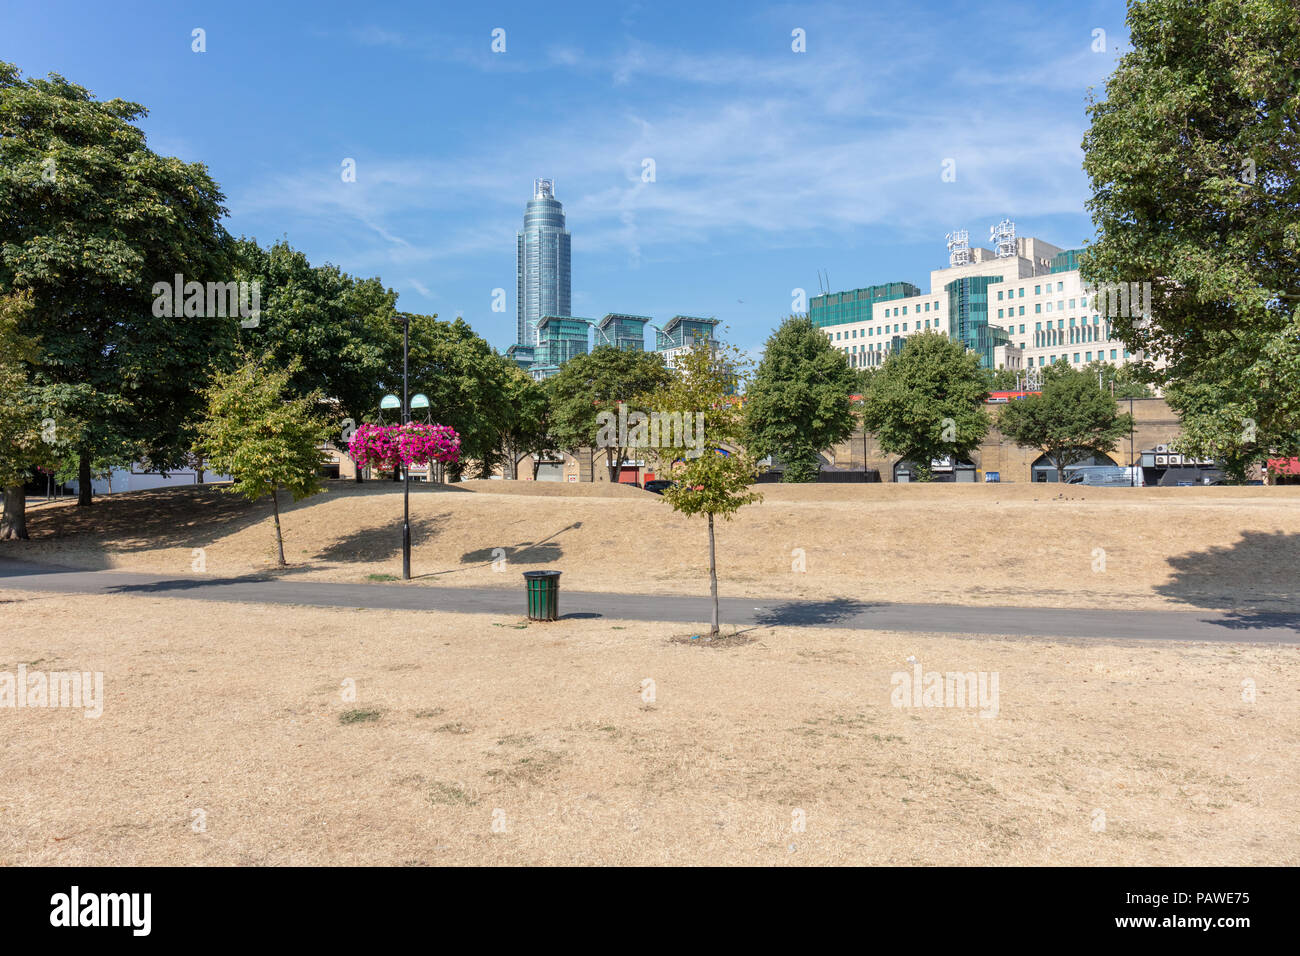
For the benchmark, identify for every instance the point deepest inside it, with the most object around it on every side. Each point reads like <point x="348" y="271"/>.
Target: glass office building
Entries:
<point x="838" y="308"/>
<point x="543" y="280"/>
<point x="560" y="338"/>
<point x="681" y="331"/>
<point x="968" y="316"/>
<point x="622" y="331"/>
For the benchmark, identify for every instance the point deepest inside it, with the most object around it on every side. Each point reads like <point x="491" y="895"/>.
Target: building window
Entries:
<point x="1112" y="354"/>
<point x="905" y="310"/>
<point x="999" y="296"/>
<point x="1038" y="307"/>
<point x="904" y="326"/>
<point x="1076" y="357"/>
<point x="1022" y="310"/>
<point x="1049" y="307"/>
<point x="1087" y="356"/>
<point x="1072" y="303"/>
<point x="1060" y="287"/>
<point x="1000" y="313"/>
<point x="1038" y="290"/>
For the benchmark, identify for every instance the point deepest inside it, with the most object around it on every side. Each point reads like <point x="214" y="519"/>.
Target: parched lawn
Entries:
<point x="246" y="734"/>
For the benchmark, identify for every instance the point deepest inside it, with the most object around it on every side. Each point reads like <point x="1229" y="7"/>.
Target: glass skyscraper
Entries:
<point x="542" y="263"/>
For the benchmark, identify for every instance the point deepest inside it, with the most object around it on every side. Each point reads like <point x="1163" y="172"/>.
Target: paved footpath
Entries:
<point x="1262" y="628"/>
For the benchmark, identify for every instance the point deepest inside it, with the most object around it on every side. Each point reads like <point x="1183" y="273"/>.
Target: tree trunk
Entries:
<point x="612" y="462"/>
<point x="13" y="525"/>
<point x="1060" y="470"/>
<point x="713" y="578"/>
<point x="83" y="481"/>
<point x="279" y="539"/>
<point x="198" y="471"/>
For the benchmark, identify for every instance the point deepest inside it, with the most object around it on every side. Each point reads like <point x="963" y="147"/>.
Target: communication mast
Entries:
<point x="1003" y="238"/>
<point x="958" y="247"/>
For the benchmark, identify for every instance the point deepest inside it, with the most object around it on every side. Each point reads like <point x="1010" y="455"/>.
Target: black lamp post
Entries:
<point x="406" y="468"/>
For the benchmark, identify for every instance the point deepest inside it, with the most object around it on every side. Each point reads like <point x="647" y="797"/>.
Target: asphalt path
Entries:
<point x="850" y="613"/>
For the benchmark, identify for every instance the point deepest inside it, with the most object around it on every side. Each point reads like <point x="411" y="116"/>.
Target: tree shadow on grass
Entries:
<point x="542" y="551"/>
<point x="811" y="613"/>
<point x="182" y="517"/>
<point x="365" y="545"/>
<point x="1255" y="581"/>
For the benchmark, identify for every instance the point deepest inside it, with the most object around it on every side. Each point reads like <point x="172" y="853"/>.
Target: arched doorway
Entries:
<point x="941" y="469"/>
<point x="1044" y="469"/>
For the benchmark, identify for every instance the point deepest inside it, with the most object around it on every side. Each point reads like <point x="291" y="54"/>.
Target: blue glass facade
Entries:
<point x="839" y="308"/>
<point x="622" y="331"/>
<point x="968" y="316"/>
<point x="560" y="338"/>
<point x="542" y="257"/>
<point x="682" y="330"/>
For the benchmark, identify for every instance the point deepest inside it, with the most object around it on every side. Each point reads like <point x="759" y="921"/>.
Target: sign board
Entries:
<point x="993" y="476"/>
<point x="572" y="478"/>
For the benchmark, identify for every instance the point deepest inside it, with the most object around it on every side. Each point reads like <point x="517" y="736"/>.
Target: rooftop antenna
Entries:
<point x="958" y="247"/>
<point x="1003" y="238"/>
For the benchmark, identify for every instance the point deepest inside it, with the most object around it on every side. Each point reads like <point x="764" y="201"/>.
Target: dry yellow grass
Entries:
<point x="1035" y="545"/>
<point x="236" y="711"/>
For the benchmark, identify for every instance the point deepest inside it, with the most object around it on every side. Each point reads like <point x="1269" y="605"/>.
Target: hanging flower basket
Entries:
<point x="386" y="447"/>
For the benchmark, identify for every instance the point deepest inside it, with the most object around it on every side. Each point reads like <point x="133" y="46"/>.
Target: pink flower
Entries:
<point x="386" y="446"/>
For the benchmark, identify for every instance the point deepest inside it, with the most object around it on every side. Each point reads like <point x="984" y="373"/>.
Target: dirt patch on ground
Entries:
<point x="1028" y="545"/>
<point x="249" y="735"/>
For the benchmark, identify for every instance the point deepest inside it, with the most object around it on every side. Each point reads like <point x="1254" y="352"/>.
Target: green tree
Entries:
<point x="28" y="432"/>
<point x="1216" y="424"/>
<point x="799" y="402"/>
<point x="340" y="331"/>
<point x="1119" y="381"/>
<point x="1071" y="420"/>
<point x="527" y="427"/>
<point x="927" y="402"/>
<point x="465" y="381"/>
<point x="1194" y="158"/>
<point x="264" y="436"/>
<point x="1003" y="380"/>
<point x="598" y="382"/>
<point x="708" y="480"/>
<point x="90" y="220"/>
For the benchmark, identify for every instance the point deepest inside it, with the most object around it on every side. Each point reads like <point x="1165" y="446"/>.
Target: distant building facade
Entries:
<point x="1020" y="305"/>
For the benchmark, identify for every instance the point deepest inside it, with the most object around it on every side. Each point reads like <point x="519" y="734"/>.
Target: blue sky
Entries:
<point x="769" y="164"/>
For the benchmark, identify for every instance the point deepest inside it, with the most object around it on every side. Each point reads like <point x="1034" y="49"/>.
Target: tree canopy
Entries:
<point x="1194" y="158"/>
<point x="1071" y="420"/>
<point x="597" y="382"/>
<point x="90" y="220"/>
<point x="926" y="402"/>
<point x="799" y="401"/>
<point x="263" y="435"/>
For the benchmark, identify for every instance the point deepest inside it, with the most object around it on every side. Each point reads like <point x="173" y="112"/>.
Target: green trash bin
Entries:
<point x="543" y="595"/>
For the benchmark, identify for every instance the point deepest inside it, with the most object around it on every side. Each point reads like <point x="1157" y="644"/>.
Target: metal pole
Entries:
<point x="406" y="468"/>
<point x="1132" y="473"/>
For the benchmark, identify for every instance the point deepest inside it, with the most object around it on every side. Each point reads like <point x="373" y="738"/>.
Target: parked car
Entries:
<point x="658" y="485"/>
